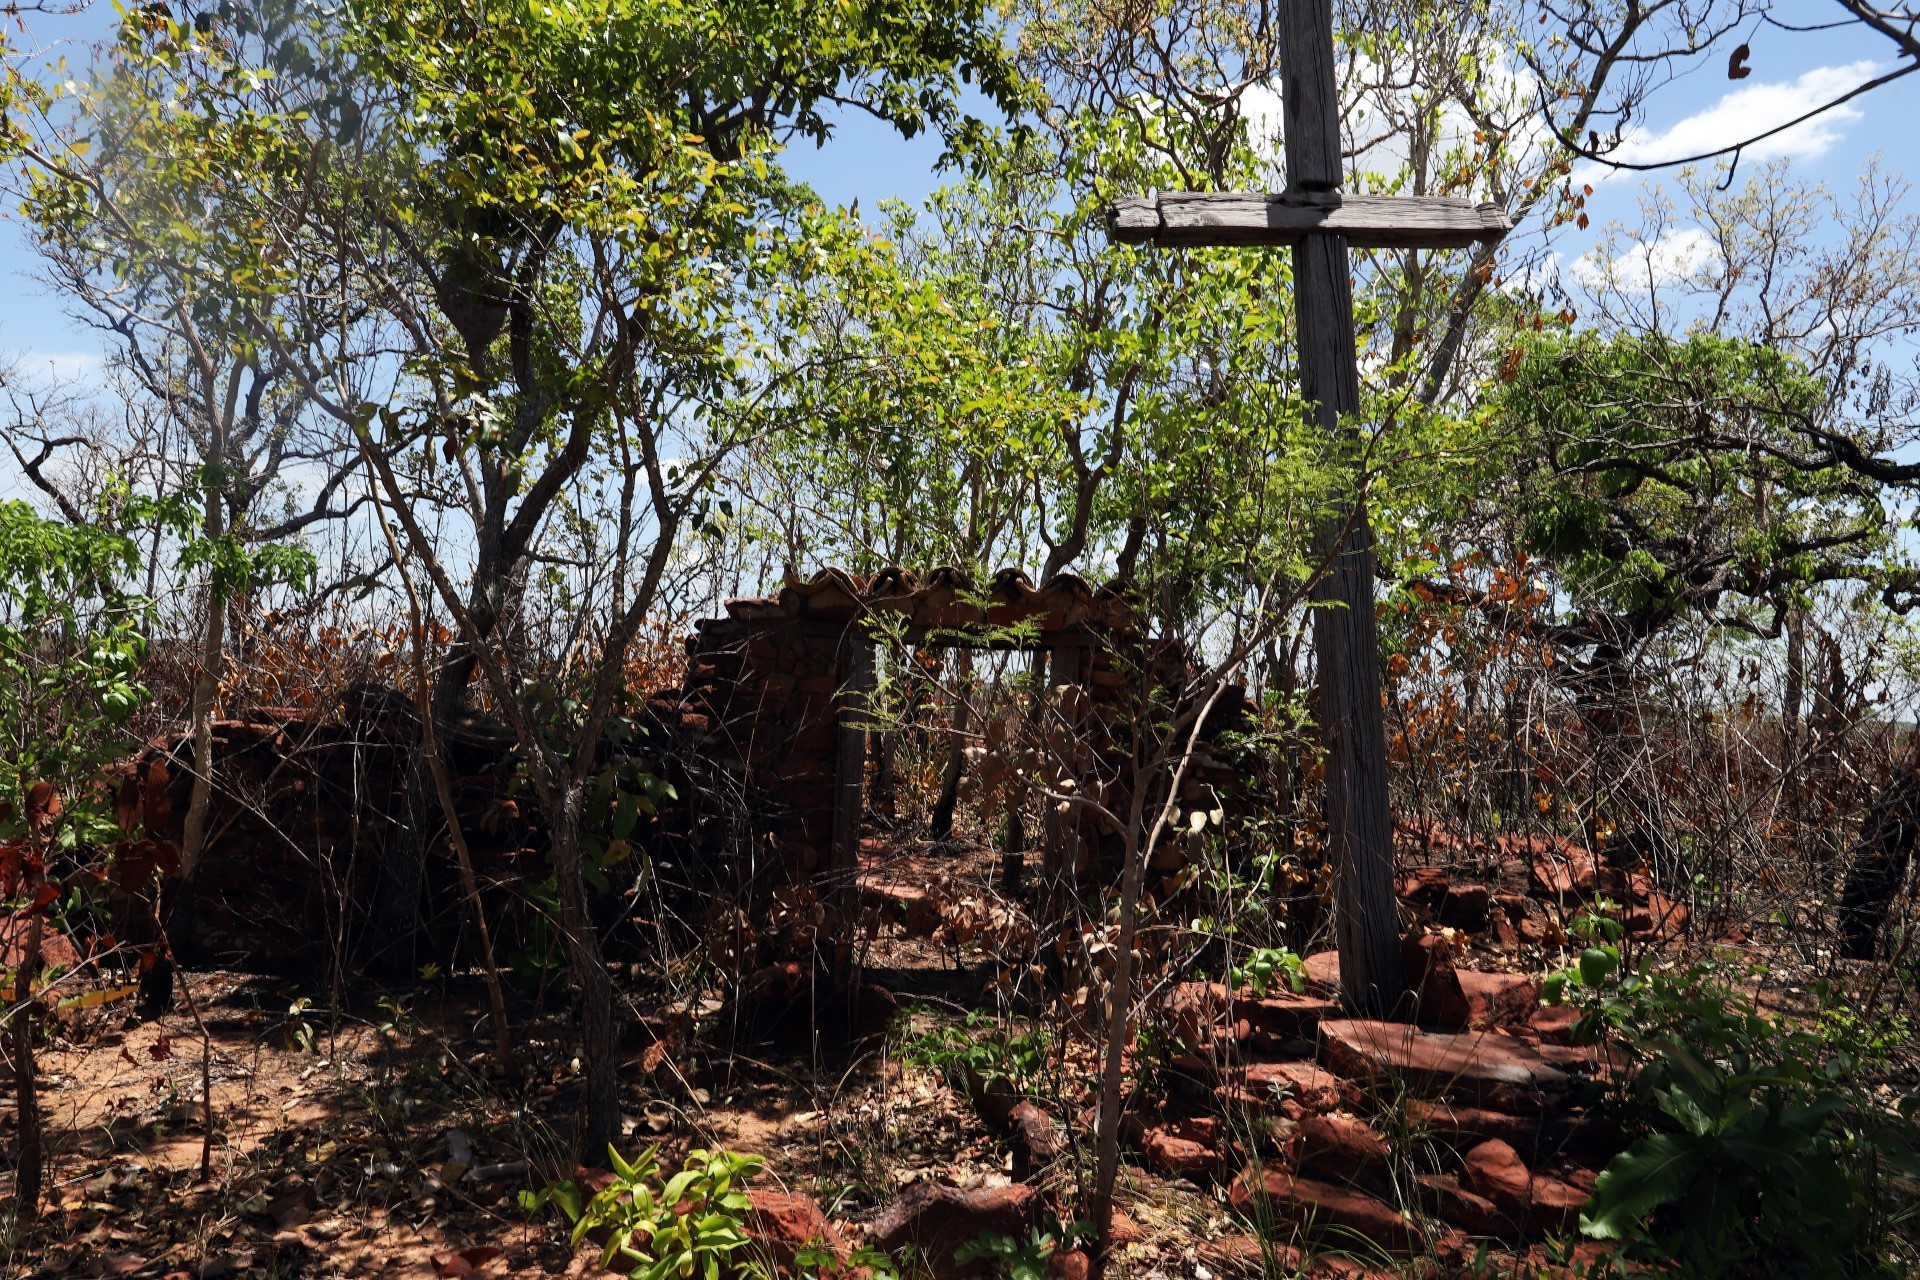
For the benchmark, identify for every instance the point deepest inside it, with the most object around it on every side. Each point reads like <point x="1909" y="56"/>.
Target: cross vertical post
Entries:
<point x="1320" y="224"/>
<point x="1346" y="644"/>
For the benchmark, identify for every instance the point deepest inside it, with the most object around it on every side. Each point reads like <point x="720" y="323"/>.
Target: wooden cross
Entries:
<point x="1319" y="223"/>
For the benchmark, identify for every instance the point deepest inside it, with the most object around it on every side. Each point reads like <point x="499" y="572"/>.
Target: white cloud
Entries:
<point x="1750" y="110"/>
<point x="1374" y="122"/>
<point x="1679" y="253"/>
<point x="60" y="366"/>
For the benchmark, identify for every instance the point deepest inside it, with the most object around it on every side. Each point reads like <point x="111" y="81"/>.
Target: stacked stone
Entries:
<point x="759" y="704"/>
<point x="305" y="808"/>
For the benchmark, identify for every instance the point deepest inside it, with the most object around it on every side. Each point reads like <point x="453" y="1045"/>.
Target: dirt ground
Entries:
<point x="375" y="1135"/>
<point x="378" y="1137"/>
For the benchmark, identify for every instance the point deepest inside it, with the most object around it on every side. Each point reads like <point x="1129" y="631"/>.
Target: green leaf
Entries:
<point x="1657" y="1170"/>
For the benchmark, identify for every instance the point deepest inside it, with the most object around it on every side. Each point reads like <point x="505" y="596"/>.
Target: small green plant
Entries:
<point x="400" y="1022"/>
<point x="817" y="1262"/>
<point x="693" y="1225"/>
<point x="295" y="1031"/>
<point x="1736" y="1158"/>
<point x="1599" y="959"/>
<point x="982" y="1051"/>
<point x="1267" y="967"/>
<point x="1010" y="1258"/>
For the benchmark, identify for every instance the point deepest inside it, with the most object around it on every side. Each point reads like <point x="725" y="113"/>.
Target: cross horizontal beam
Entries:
<point x="1175" y="218"/>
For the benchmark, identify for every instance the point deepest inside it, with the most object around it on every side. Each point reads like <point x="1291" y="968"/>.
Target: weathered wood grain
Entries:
<point x="1346" y="641"/>
<point x="1177" y="218"/>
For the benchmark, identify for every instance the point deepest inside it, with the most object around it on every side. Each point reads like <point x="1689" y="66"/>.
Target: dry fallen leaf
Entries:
<point x="464" y="1262"/>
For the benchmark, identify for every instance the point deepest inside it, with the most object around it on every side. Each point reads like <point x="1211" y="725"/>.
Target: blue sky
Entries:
<point x="867" y="162"/>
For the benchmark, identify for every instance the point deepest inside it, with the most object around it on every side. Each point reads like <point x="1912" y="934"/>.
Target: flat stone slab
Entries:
<point x="1499" y="997"/>
<point x="1322" y="971"/>
<point x="1335" y="1215"/>
<point x="1314" y="1088"/>
<point x="893" y="894"/>
<point x="1476" y="1068"/>
<point x="1286" y="1015"/>
<point x="1474" y="1124"/>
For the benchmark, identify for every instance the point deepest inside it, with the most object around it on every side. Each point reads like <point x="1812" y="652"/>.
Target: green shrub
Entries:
<point x="1010" y="1258"/>
<point x="694" y="1225"/>
<point x="974" y="1056"/>
<point x="1761" y="1149"/>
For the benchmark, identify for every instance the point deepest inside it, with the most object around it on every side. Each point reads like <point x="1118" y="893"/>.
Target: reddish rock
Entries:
<point x="1326" y="1211"/>
<point x="1033" y="1139"/>
<point x="1313" y="1087"/>
<point x="1466" y="906"/>
<point x="1125" y="1230"/>
<point x="1473" y="1124"/>
<point x="1070" y="1264"/>
<point x="938" y="1219"/>
<point x="1453" y="1249"/>
<point x="1494" y="1170"/>
<point x="1288" y="1016"/>
<point x="1426" y="963"/>
<point x="1234" y="1099"/>
<point x="1564" y="873"/>
<point x="1576" y="1176"/>
<point x="1453" y="1203"/>
<point x="993" y="1098"/>
<point x="776" y="983"/>
<point x="1569" y="1057"/>
<point x="1555" y="1206"/>
<point x="1512" y="905"/>
<point x="55" y="948"/>
<point x="1337" y="1266"/>
<point x="1242" y="1252"/>
<point x="1322" y="971"/>
<point x="784" y="1224"/>
<point x="1554" y="1023"/>
<point x="1196" y="1010"/>
<point x="1660" y="915"/>
<point x="1474" y="1068"/>
<point x="1203" y="1067"/>
<point x="1497" y="999"/>
<point x="1171" y="1155"/>
<point x="1339" y="1148"/>
<point x="1425" y="885"/>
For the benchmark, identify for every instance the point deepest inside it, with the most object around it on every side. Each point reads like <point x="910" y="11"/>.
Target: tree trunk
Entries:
<point x="940" y="825"/>
<point x="850" y="756"/>
<point x="26" y="1081"/>
<point x="193" y="839"/>
<point x="1013" y="836"/>
<point x="600" y="1127"/>
<point x="1879" y="867"/>
<point x="443" y="788"/>
<point x="1119" y="1011"/>
<point x="883" y="796"/>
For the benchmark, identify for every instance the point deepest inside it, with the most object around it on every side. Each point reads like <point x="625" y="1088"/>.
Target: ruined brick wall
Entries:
<point x="305" y="807"/>
<point x="766" y="700"/>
